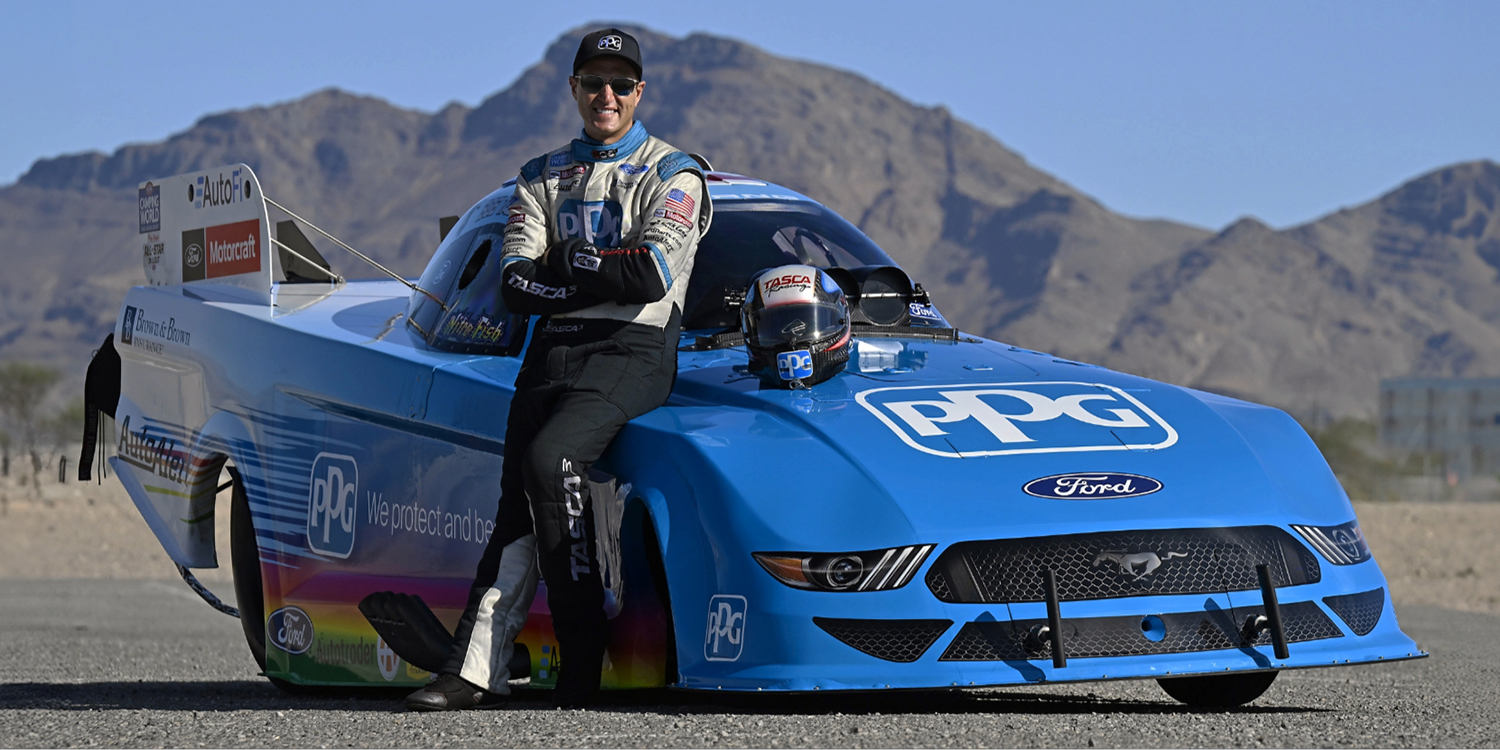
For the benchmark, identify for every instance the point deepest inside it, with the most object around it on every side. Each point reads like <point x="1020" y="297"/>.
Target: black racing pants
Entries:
<point x="580" y="382"/>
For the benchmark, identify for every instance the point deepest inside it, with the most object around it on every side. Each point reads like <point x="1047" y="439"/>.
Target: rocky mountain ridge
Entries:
<point x="1308" y="318"/>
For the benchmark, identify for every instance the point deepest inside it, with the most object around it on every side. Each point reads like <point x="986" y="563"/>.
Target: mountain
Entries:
<point x="1307" y="318"/>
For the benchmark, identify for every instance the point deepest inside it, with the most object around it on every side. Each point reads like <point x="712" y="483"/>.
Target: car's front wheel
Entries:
<point x="1219" y="690"/>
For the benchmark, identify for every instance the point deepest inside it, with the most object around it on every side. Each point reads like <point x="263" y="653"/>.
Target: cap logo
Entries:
<point x="610" y="42"/>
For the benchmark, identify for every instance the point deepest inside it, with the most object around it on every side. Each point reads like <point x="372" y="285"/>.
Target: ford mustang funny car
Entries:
<point x="947" y="511"/>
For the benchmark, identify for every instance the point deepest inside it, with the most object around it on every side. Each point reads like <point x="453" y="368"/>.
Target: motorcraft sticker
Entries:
<point x="725" y="638"/>
<point x="971" y="420"/>
<point x="223" y="250"/>
<point x="1101" y="485"/>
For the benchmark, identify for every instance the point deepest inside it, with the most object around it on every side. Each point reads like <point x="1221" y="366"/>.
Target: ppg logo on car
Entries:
<point x="997" y="419"/>
<point x="334" y="499"/>
<point x="725" y="638"/>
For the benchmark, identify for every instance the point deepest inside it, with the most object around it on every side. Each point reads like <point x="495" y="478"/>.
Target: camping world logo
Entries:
<point x="998" y="419"/>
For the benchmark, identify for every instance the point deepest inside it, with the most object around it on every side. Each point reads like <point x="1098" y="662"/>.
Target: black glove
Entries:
<point x="564" y="257"/>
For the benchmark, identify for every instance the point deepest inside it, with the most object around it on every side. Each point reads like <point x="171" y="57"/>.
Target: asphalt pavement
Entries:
<point x="95" y="663"/>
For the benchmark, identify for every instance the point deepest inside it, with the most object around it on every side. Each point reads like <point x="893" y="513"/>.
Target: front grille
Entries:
<point x="892" y="640"/>
<point x="1123" y="636"/>
<point x="1361" y="611"/>
<point x="1120" y="564"/>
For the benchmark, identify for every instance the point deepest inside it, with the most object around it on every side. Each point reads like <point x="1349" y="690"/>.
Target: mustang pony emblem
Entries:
<point x="1137" y="564"/>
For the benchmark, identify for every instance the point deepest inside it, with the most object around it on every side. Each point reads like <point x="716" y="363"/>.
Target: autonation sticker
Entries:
<point x="997" y="419"/>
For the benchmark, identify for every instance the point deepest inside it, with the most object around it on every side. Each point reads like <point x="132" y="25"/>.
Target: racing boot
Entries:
<point x="582" y="648"/>
<point x="450" y="692"/>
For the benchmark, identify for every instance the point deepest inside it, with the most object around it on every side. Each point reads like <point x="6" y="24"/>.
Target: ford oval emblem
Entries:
<point x="290" y="630"/>
<point x="1091" y="486"/>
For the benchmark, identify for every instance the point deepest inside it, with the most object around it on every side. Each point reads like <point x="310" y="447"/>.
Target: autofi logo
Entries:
<point x="1094" y="486"/>
<point x="148" y="199"/>
<point x="219" y="190"/>
<point x="291" y="630"/>
<point x="335" y="497"/>
<point x="596" y="221"/>
<point x="998" y="419"/>
<point x="725" y="638"/>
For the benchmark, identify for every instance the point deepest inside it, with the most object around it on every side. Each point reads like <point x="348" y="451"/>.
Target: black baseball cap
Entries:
<point x="609" y="42"/>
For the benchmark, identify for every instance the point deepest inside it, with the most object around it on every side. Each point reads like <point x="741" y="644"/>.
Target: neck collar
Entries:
<point x="586" y="149"/>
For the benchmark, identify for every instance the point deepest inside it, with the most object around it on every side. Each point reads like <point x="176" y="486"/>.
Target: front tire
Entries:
<point x="1219" y="690"/>
<point x="249" y="593"/>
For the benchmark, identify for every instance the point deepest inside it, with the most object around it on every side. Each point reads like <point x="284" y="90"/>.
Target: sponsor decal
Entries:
<point x="561" y="159"/>
<point x="127" y="326"/>
<point x="290" y="630"/>
<point x="223" y="250"/>
<point x="219" y="190"/>
<point x="586" y="262"/>
<point x="412" y="518"/>
<point x="578" y="553"/>
<point x="540" y="289"/>
<point x="725" y="637"/>
<point x="662" y="213"/>
<point x="573" y="171"/>
<point x="634" y="169"/>
<point x="925" y="312"/>
<point x="389" y="662"/>
<point x="1092" y="486"/>
<point x="148" y="199"/>
<point x="599" y="222"/>
<point x="995" y="419"/>
<point x="560" y="328"/>
<point x="464" y="327"/>
<point x="794" y="365"/>
<point x="787" y="281"/>
<point x="516" y="218"/>
<point x="333" y="502"/>
<point x="344" y="653"/>
<point x="610" y="42"/>
<point x="605" y="154"/>
<point x="137" y="324"/>
<point x="1134" y="565"/>
<point x="152" y="251"/>
<point x="161" y="455"/>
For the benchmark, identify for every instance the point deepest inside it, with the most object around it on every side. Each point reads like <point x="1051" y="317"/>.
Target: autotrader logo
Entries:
<point x="996" y="419"/>
<point x="332" y="505"/>
<point x="725" y="638"/>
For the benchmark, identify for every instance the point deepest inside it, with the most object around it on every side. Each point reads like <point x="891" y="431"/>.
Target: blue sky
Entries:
<point x="1200" y="112"/>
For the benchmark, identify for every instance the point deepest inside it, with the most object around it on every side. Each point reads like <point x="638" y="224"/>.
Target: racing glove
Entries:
<point x="631" y="276"/>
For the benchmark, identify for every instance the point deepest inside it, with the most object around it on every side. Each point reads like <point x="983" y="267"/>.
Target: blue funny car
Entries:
<point x="947" y="511"/>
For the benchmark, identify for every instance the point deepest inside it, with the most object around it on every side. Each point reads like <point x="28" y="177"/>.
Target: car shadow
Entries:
<point x="256" y="694"/>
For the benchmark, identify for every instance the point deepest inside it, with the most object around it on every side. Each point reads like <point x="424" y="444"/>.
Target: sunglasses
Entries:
<point x="595" y="84"/>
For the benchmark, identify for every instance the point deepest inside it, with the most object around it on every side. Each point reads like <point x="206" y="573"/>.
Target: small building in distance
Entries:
<point x="1454" y="420"/>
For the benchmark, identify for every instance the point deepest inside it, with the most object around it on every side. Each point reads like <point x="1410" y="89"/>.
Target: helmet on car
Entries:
<point x="796" y="325"/>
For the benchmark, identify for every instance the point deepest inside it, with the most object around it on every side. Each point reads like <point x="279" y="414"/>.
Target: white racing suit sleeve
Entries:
<point x="646" y="271"/>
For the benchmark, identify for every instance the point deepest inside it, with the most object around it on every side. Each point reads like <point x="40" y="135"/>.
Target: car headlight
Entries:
<point x="875" y="570"/>
<point x="1341" y="545"/>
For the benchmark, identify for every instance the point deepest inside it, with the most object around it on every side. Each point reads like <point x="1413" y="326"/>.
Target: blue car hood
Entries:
<point x="941" y="438"/>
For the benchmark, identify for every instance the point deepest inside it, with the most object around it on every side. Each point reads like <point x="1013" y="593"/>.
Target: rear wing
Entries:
<point x="213" y="228"/>
<point x="208" y="228"/>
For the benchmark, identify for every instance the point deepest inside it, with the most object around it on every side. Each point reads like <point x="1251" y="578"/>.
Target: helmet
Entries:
<point x="796" y="325"/>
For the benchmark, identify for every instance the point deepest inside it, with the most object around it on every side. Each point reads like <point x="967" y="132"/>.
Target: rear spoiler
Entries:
<point x="213" y="228"/>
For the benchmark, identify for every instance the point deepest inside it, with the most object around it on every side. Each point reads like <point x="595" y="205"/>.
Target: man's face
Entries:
<point x="606" y="116"/>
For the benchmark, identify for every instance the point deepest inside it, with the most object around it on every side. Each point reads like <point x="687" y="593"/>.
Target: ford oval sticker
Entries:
<point x="1091" y="486"/>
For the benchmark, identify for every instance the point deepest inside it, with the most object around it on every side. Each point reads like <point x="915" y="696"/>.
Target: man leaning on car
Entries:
<point x="600" y="244"/>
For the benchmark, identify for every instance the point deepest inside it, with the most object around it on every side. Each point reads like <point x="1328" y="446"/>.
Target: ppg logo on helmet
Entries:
<point x="610" y="42"/>
<point x="725" y="637"/>
<point x="997" y="419"/>
<point x="794" y="365"/>
<point x="332" y="505"/>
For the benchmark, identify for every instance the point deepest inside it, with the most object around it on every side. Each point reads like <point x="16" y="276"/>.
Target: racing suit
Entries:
<point x="599" y="242"/>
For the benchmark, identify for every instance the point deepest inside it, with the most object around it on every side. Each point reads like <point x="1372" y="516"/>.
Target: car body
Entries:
<point x="893" y="527"/>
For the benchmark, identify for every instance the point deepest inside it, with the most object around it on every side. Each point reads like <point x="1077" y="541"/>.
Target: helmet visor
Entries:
<point x="794" y="324"/>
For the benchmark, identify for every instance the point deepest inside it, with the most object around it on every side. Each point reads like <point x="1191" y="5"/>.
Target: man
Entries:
<point x="600" y="243"/>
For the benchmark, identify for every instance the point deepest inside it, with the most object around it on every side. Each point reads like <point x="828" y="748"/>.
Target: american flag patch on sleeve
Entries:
<point x="680" y="202"/>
